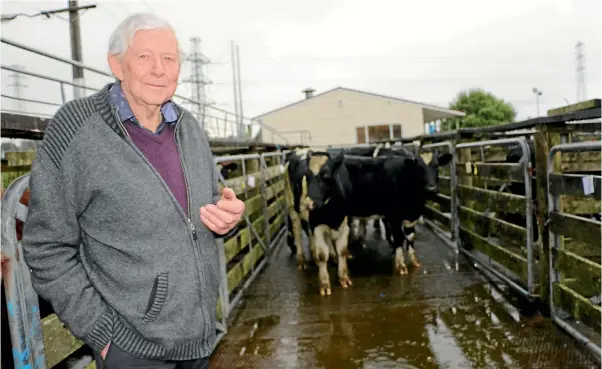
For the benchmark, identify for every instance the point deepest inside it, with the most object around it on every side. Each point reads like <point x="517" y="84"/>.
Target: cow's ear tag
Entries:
<point x="468" y="167"/>
<point x="475" y="171"/>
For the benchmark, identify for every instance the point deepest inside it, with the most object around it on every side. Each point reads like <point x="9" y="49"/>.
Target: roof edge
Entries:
<point x="422" y="105"/>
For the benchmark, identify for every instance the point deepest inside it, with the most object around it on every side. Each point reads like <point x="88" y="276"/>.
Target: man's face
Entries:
<point x="150" y="68"/>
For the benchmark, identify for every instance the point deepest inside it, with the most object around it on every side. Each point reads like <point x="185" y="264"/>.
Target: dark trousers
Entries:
<point x="118" y="359"/>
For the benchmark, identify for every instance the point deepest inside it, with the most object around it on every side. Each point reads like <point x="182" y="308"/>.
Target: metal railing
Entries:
<point x="218" y="123"/>
<point x="575" y="272"/>
<point x="476" y="225"/>
<point x="447" y="200"/>
<point x="242" y="256"/>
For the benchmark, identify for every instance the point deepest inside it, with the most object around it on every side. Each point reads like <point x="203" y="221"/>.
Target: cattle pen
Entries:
<point x="510" y="274"/>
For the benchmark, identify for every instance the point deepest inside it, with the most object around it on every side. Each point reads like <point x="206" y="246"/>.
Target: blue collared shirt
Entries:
<point x="168" y="111"/>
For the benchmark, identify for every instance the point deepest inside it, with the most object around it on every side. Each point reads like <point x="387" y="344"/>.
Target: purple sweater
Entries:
<point x="159" y="147"/>
<point x="161" y="150"/>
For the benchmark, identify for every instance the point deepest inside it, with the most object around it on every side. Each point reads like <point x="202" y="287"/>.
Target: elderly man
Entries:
<point x="125" y="211"/>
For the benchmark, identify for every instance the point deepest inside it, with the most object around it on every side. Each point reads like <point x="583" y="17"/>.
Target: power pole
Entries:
<point x="237" y="89"/>
<point x="197" y="78"/>
<point x="76" y="48"/>
<point x="241" y="126"/>
<point x="580" y="55"/>
<point x="17" y="85"/>
<point x="235" y="85"/>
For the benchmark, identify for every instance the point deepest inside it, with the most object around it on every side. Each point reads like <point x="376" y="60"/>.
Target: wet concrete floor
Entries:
<point x="442" y="315"/>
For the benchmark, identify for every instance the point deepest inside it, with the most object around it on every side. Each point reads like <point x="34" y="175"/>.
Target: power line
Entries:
<point x="197" y="77"/>
<point x="581" y="91"/>
<point x="46" y="13"/>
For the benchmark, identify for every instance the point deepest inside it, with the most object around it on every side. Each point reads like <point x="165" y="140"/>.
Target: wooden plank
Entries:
<point x="583" y="105"/>
<point x="434" y="214"/>
<point x="572" y="184"/>
<point x="586" y="273"/>
<point x="276" y="225"/>
<point x="513" y="262"/>
<point x="582" y="249"/>
<point x="445" y="185"/>
<point x="15" y="168"/>
<point x="254" y="205"/>
<point x="442" y="200"/>
<point x="586" y="161"/>
<point x="486" y="226"/>
<point x="495" y="201"/>
<point x="578" y="306"/>
<point x="500" y="171"/>
<point x="238" y="273"/>
<point x="58" y="340"/>
<point x="274" y="190"/>
<point x="580" y="205"/>
<point x="577" y="228"/>
<point x="239" y="184"/>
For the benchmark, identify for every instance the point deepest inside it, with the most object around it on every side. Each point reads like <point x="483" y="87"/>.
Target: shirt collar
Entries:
<point x="125" y="111"/>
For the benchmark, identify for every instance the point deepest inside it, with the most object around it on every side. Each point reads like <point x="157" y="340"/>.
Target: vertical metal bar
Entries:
<point x="263" y="168"/>
<point x="63" y="98"/>
<point x="454" y="197"/>
<point x="224" y="295"/>
<point x="21" y="299"/>
<point x="528" y="215"/>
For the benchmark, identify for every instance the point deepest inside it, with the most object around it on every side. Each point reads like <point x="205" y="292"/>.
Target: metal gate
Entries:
<point x="442" y="209"/>
<point x="575" y="245"/>
<point x="22" y="302"/>
<point x="242" y="256"/>
<point x="501" y="244"/>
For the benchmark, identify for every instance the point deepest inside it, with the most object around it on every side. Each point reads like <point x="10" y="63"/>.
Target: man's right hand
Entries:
<point x="103" y="353"/>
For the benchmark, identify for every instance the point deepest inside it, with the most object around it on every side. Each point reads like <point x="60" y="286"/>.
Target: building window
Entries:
<point x="361" y="134"/>
<point x="380" y="132"/>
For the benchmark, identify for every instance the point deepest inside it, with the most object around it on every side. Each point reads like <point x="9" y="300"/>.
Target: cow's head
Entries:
<point x="430" y="163"/>
<point x="328" y="178"/>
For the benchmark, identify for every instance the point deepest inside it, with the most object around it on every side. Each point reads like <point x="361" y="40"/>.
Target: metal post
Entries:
<point x="76" y="48"/>
<point x="241" y="126"/>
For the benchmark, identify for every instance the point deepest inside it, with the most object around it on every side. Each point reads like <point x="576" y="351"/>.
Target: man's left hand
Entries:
<point x="225" y="214"/>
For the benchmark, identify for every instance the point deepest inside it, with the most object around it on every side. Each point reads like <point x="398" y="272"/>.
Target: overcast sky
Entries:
<point x="425" y="50"/>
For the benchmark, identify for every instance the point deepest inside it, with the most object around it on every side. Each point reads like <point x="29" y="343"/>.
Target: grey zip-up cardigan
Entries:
<point x="107" y="242"/>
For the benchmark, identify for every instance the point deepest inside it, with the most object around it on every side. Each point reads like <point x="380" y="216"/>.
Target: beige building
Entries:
<point x="343" y="116"/>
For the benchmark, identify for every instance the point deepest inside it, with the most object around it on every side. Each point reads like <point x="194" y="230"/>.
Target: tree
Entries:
<point x="482" y="109"/>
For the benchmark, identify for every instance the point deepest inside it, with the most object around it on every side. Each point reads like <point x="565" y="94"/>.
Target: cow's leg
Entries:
<point x="341" y="243"/>
<point x="376" y="226"/>
<point x="398" y="242"/>
<point x="388" y="232"/>
<point x="410" y="235"/>
<point x="290" y="236"/>
<point x="296" y="222"/>
<point x="321" y="254"/>
<point x="361" y="233"/>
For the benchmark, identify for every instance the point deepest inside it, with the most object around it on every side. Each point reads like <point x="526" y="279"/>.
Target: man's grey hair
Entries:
<point x="123" y="35"/>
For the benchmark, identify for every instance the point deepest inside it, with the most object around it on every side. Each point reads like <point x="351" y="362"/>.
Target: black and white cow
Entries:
<point x="327" y="228"/>
<point x="394" y="187"/>
<point x="429" y="162"/>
